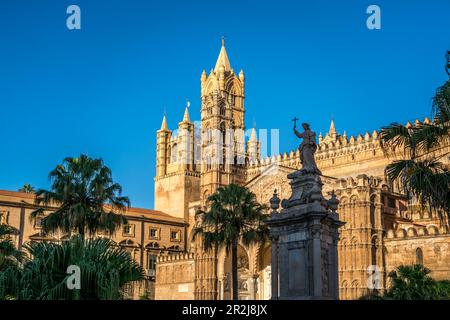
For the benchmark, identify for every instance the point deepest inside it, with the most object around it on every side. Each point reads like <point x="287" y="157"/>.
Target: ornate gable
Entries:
<point x="264" y="184"/>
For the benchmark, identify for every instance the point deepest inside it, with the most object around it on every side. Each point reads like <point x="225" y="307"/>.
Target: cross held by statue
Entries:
<point x="295" y="121"/>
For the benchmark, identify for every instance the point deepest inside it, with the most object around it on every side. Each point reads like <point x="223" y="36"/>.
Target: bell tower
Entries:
<point x="222" y="118"/>
<point x="177" y="181"/>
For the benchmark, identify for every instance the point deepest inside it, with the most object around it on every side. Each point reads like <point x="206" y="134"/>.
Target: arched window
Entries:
<point x="419" y="256"/>
<point x="174" y="153"/>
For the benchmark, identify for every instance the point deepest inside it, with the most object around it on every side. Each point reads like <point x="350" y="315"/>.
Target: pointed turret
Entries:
<point x="222" y="60"/>
<point x="253" y="146"/>
<point x="332" y="128"/>
<point x="164" y="126"/>
<point x="163" y="137"/>
<point x="253" y="135"/>
<point x="186" y="115"/>
<point x="241" y="75"/>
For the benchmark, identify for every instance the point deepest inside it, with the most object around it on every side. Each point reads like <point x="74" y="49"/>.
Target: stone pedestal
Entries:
<point x="304" y="242"/>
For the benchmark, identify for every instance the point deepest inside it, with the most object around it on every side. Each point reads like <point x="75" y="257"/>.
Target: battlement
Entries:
<point x="416" y="231"/>
<point x="175" y="257"/>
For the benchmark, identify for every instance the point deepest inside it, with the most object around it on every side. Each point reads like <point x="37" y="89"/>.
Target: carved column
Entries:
<point x="317" y="258"/>
<point x="274" y="268"/>
<point x="274" y="205"/>
<point x="254" y="286"/>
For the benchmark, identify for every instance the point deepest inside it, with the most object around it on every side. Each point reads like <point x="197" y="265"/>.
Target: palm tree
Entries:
<point x="233" y="215"/>
<point x="447" y="66"/>
<point x="86" y="198"/>
<point x="27" y="188"/>
<point x="422" y="175"/>
<point x="412" y="283"/>
<point x="9" y="255"/>
<point x="10" y="262"/>
<point x="105" y="269"/>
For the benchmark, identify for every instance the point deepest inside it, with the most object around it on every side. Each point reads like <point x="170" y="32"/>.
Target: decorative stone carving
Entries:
<point x="304" y="241"/>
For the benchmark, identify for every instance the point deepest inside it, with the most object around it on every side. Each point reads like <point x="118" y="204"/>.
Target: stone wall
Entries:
<point x="433" y="250"/>
<point x="175" y="277"/>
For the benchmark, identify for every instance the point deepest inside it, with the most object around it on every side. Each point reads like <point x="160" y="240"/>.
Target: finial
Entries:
<point x="223" y="41"/>
<point x="274" y="202"/>
<point x="333" y="202"/>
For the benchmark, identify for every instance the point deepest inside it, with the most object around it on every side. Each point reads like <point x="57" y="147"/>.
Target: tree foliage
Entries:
<point x="233" y="215"/>
<point x="414" y="283"/>
<point x="105" y="269"/>
<point x="27" y="188"/>
<point x="86" y="199"/>
<point x="9" y="255"/>
<point x="420" y="173"/>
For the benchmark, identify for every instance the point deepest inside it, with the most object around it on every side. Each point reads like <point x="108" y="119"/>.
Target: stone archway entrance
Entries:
<point x="264" y="285"/>
<point x="244" y="276"/>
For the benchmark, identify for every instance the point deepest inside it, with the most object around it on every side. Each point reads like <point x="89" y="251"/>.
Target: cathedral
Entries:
<point x="382" y="228"/>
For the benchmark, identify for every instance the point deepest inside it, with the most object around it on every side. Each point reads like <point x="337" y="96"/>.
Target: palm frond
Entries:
<point x="397" y="136"/>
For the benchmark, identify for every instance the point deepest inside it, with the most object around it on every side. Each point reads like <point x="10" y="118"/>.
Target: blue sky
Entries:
<point x="102" y="90"/>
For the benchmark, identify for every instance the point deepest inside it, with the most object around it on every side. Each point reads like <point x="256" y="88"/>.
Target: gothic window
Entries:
<point x="151" y="263"/>
<point x="391" y="202"/>
<point x="419" y="256"/>
<point x="208" y="163"/>
<point x="224" y="158"/>
<point x="174" y="153"/>
<point x="223" y="132"/>
<point x="222" y="110"/>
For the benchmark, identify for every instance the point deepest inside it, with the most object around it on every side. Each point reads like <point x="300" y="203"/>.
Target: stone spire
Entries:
<point x="186" y="115"/>
<point x="222" y="60"/>
<point x="253" y="135"/>
<point x="332" y="130"/>
<point x="253" y="146"/>
<point x="164" y="126"/>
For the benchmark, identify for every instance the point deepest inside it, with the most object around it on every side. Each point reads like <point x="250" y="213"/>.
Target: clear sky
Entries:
<point x="102" y="90"/>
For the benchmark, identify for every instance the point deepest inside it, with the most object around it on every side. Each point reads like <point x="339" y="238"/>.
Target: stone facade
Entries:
<point x="382" y="229"/>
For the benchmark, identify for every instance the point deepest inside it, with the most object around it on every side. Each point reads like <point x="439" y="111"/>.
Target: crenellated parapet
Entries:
<point x="415" y="231"/>
<point x="175" y="257"/>
<point x="333" y="150"/>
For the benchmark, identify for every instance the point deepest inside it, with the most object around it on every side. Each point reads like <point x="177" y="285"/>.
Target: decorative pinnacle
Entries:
<point x="164" y="126"/>
<point x="223" y="41"/>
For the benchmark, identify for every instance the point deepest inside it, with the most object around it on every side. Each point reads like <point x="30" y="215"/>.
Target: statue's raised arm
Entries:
<point x="298" y="134"/>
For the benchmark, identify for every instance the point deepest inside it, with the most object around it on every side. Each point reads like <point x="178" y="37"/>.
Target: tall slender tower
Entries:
<point x="163" y="136"/>
<point x="222" y="116"/>
<point x="177" y="181"/>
